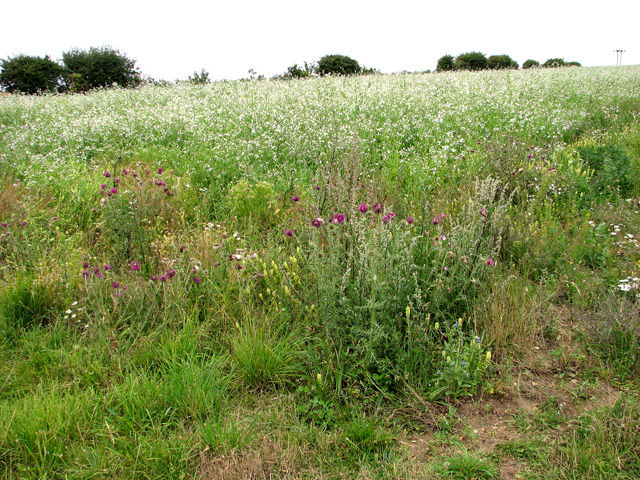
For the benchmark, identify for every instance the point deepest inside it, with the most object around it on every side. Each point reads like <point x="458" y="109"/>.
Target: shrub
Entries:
<point x="499" y="62"/>
<point x="201" y="78"/>
<point x="530" y="64"/>
<point x="554" y="63"/>
<point x="31" y="75"/>
<point x="338" y="65"/>
<point x="446" y="63"/>
<point x="99" y="67"/>
<point x="471" y="61"/>
<point x="296" y="71"/>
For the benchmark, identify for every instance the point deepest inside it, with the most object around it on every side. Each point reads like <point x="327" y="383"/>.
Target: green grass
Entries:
<point x="292" y="279"/>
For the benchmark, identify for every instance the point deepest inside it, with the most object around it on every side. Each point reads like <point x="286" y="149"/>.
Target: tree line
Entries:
<point x="474" y="61"/>
<point x="99" y="67"/>
<point x="80" y="71"/>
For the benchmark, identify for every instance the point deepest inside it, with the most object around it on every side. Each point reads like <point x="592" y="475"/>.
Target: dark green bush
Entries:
<point x="99" y="67"/>
<point x="611" y="168"/>
<point x="446" y="63"/>
<point x="471" y="61"/>
<point x="296" y="71"/>
<point x="31" y="75"/>
<point x="530" y="64"/>
<point x="338" y="65"/>
<point x="201" y="78"/>
<point x="499" y="62"/>
<point x="554" y="62"/>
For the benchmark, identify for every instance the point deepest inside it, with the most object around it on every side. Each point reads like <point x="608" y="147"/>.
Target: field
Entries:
<point x="374" y="277"/>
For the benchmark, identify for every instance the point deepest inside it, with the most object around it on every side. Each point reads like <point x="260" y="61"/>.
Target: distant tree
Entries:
<point x="99" y="67"/>
<point x="572" y="64"/>
<point x="201" y="78"/>
<point x="445" y="64"/>
<point x="338" y="65"/>
<point x="554" y="62"/>
<point x="471" y="61"/>
<point x="530" y="64"/>
<point x="31" y="75"/>
<point x="500" y="62"/>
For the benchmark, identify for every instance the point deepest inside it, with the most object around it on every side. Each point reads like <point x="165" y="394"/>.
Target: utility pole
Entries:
<point x="619" y="57"/>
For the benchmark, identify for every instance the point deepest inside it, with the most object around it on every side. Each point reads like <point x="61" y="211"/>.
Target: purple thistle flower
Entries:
<point x="117" y="180"/>
<point x="317" y="222"/>
<point x="239" y="267"/>
<point x="378" y="208"/>
<point x="114" y="190"/>
<point x="163" y="278"/>
<point x="294" y="198"/>
<point x="24" y="224"/>
<point x="171" y="273"/>
<point x="4" y="225"/>
<point x="364" y="208"/>
<point x="107" y="267"/>
<point x="85" y="273"/>
<point x="147" y="172"/>
<point x="55" y="219"/>
<point x="106" y="174"/>
<point x="154" y="278"/>
<point x="288" y="233"/>
<point x="483" y="212"/>
<point x="102" y="192"/>
<point x="103" y="186"/>
<point x="409" y="220"/>
<point x="386" y="219"/>
<point x="182" y="247"/>
<point x="197" y="280"/>
<point x="135" y="266"/>
<point x="490" y="262"/>
<point x="436" y="219"/>
<point x="99" y="274"/>
<point x="317" y="187"/>
<point x="85" y="264"/>
<point x="340" y="218"/>
<point x="160" y="170"/>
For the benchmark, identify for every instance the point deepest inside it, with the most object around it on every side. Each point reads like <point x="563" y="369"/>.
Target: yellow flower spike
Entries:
<point x="271" y="272"/>
<point x="285" y="264"/>
<point x="408" y="312"/>
<point x="286" y="290"/>
<point x="319" y="377"/>
<point x="437" y="325"/>
<point x="268" y="291"/>
<point x="260" y="295"/>
<point x="488" y="355"/>
<point x="448" y="359"/>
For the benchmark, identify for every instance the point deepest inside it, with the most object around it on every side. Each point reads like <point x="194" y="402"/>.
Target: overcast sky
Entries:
<point x="171" y="40"/>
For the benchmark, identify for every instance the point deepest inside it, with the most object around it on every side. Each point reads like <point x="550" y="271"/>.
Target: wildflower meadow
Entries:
<point x="380" y="276"/>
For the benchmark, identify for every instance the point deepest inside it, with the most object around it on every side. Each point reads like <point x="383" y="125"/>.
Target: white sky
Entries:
<point x="172" y="39"/>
